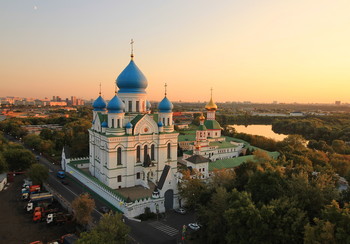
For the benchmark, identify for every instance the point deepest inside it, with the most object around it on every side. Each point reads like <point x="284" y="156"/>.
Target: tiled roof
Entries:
<point x="197" y="159"/>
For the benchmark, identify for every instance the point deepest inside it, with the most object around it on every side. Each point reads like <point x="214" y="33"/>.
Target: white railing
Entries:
<point x="105" y="193"/>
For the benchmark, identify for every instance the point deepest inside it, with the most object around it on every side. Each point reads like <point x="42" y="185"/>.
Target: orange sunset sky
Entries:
<point x="251" y="50"/>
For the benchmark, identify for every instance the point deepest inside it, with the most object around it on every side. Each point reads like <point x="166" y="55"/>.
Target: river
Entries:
<point x="260" y="130"/>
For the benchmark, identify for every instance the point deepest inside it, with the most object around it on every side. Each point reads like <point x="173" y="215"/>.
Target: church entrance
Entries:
<point x="169" y="199"/>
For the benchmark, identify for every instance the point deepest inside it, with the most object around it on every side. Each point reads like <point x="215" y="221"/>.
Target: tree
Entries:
<point x="3" y="164"/>
<point x="265" y="186"/>
<point x="18" y="159"/>
<point x="82" y="208"/>
<point x="211" y="216"/>
<point x="32" y="141"/>
<point x="243" y="218"/>
<point x="110" y="229"/>
<point x="38" y="173"/>
<point x="333" y="225"/>
<point x="193" y="191"/>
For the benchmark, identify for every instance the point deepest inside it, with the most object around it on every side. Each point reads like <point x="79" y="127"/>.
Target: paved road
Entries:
<point x="164" y="231"/>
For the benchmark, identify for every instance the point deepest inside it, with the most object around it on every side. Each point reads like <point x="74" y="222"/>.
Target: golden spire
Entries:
<point x="211" y="105"/>
<point x="132" y="48"/>
<point x="115" y="89"/>
<point x="165" y="86"/>
<point x="100" y="89"/>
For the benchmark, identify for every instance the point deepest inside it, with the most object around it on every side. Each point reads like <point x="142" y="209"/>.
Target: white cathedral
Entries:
<point x="129" y="146"/>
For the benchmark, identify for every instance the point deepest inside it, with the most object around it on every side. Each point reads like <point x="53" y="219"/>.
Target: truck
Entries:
<point x="27" y="182"/>
<point x="58" y="218"/>
<point x="40" y="213"/>
<point x="61" y="174"/>
<point x="29" y="190"/>
<point x="35" y="199"/>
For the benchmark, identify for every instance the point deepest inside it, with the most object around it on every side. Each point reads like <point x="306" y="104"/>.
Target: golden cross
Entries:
<point x="132" y="47"/>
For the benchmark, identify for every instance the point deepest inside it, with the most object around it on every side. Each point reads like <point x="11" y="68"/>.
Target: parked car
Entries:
<point x="180" y="210"/>
<point x="104" y="209"/>
<point x="194" y="226"/>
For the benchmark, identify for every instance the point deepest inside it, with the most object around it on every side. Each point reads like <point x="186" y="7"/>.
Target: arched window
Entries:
<point x="152" y="152"/>
<point x="112" y="123"/>
<point x="119" y="156"/>
<point x="118" y="123"/>
<point x="138" y="154"/>
<point x="145" y="152"/>
<point x="164" y="122"/>
<point x="168" y="151"/>
<point x="168" y="121"/>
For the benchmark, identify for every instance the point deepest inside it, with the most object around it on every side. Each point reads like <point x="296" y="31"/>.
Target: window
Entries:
<point x="112" y="123"/>
<point x="138" y="154"/>
<point x="119" y="156"/>
<point x="168" y="121"/>
<point x="152" y="152"/>
<point x="137" y="106"/>
<point x="130" y="106"/>
<point x="138" y="175"/>
<point x="119" y="178"/>
<point x="145" y="152"/>
<point x="164" y="122"/>
<point x="118" y="123"/>
<point x="168" y="151"/>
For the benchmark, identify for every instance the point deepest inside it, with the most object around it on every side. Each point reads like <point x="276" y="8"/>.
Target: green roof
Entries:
<point x="102" y="117"/>
<point x="189" y="152"/>
<point x="188" y="137"/>
<point x="202" y="127"/>
<point x="234" y="162"/>
<point x="212" y="125"/>
<point x="155" y="117"/>
<point x="223" y="144"/>
<point x="136" y="119"/>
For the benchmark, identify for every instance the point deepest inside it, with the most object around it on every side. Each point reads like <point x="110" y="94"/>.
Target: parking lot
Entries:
<point x="16" y="226"/>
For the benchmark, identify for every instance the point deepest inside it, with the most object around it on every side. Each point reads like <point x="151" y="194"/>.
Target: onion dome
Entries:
<point x="201" y="117"/>
<point x="104" y="124"/>
<point x="211" y="105"/>
<point x="165" y="106"/>
<point x="99" y="104"/>
<point x="131" y="80"/>
<point x="148" y="105"/>
<point x="116" y="105"/>
<point x="128" y="125"/>
<point x="160" y="124"/>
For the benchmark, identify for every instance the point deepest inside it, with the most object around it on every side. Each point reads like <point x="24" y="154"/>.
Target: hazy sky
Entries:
<point x="260" y="51"/>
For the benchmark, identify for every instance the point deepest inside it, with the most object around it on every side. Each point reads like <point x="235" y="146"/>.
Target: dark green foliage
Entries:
<point x="38" y="173"/>
<point x="18" y="159"/>
<point x="110" y="229"/>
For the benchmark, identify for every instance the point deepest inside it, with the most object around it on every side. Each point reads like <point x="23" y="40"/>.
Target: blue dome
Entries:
<point x="131" y="80"/>
<point x="99" y="104"/>
<point x="116" y="105"/>
<point x="165" y="106"/>
<point x="104" y="124"/>
<point x="128" y="125"/>
<point x="160" y="124"/>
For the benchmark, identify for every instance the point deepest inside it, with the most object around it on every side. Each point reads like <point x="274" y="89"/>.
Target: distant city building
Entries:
<point x="337" y="102"/>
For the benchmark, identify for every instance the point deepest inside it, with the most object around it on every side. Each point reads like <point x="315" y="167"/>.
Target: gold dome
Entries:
<point x="211" y="105"/>
<point x="201" y="117"/>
